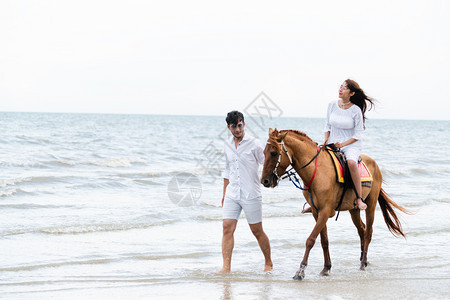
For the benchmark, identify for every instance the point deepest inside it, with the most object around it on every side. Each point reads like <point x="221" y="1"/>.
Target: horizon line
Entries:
<point x="200" y="115"/>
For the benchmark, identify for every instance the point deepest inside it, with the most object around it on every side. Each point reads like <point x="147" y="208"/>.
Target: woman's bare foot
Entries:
<point x="307" y="210"/>
<point x="361" y="204"/>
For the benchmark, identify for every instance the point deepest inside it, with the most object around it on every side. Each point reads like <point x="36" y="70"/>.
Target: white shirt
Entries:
<point x="344" y="124"/>
<point x="241" y="168"/>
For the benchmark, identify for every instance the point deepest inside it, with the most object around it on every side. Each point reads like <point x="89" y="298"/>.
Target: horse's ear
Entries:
<point x="273" y="132"/>
<point x="281" y="136"/>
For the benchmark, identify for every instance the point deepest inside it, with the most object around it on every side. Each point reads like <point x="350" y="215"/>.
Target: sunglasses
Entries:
<point x="233" y="126"/>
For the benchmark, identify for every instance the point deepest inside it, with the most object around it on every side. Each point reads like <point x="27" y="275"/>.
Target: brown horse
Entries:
<point x="316" y="169"/>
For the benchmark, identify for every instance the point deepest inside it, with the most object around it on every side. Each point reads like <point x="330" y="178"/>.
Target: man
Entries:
<point x="241" y="189"/>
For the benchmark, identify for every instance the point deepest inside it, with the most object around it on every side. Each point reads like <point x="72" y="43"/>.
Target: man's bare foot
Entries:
<point x="225" y="270"/>
<point x="361" y="205"/>
<point x="268" y="268"/>
<point x="307" y="210"/>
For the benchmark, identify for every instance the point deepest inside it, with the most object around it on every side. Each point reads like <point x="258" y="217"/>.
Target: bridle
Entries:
<point x="275" y="171"/>
<point x="292" y="173"/>
<point x="283" y="147"/>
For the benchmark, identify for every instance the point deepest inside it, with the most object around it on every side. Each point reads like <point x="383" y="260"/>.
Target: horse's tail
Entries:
<point x="391" y="219"/>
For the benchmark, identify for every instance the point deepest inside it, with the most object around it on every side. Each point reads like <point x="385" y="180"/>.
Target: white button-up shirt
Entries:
<point x="241" y="168"/>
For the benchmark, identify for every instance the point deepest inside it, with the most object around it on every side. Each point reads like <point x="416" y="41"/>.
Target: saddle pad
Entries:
<point x="363" y="170"/>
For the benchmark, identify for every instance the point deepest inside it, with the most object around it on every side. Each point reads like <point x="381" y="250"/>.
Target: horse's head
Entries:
<point x="275" y="163"/>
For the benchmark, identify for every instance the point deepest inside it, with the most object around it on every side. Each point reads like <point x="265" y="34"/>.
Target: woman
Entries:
<point x="345" y="127"/>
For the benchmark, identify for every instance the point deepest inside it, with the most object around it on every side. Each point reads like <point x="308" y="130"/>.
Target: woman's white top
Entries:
<point x="344" y="124"/>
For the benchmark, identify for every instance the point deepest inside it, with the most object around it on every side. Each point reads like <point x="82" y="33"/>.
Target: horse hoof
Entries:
<point x="363" y="266"/>
<point x="325" y="272"/>
<point x="298" y="277"/>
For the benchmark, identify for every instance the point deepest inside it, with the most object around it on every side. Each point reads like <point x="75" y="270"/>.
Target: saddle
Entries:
<point x="341" y="168"/>
<point x="343" y="173"/>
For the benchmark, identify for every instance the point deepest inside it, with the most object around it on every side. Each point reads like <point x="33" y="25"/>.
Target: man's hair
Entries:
<point x="234" y="117"/>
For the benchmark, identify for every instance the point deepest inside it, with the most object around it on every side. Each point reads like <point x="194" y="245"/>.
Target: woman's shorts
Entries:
<point x="351" y="153"/>
<point x="252" y="209"/>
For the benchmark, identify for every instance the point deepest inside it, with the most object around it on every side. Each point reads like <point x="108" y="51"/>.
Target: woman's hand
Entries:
<point x="346" y="143"/>
<point x="339" y="145"/>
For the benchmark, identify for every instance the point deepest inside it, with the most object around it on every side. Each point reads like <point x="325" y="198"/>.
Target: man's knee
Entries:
<point x="229" y="226"/>
<point x="257" y="229"/>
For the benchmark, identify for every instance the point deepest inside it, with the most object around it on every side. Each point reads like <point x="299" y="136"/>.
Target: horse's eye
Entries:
<point x="273" y="154"/>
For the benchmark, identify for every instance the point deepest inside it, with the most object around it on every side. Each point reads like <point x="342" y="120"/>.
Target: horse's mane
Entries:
<point x="296" y="134"/>
<point x="301" y="135"/>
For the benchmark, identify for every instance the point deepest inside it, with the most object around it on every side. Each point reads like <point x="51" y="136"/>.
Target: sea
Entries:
<point x="110" y="206"/>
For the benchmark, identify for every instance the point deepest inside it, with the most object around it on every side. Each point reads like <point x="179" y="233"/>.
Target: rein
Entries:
<point x="292" y="173"/>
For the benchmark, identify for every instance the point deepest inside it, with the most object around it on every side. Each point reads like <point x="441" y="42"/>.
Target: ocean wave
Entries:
<point x="31" y="179"/>
<point x="280" y="214"/>
<point x="147" y="182"/>
<point x="112" y="163"/>
<point x="429" y="232"/>
<point x="300" y="244"/>
<point x="143" y="174"/>
<point x="288" y="214"/>
<point x="119" y="162"/>
<point x="22" y="164"/>
<point x="214" y="218"/>
<point x="56" y="265"/>
<point x="14" y="181"/>
<point x="32" y="140"/>
<point x="11" y="185"/>
<point x="416" y="171"/>
<point x="13" y="191"/>
<point x="100" y="261"/>
<point x="281" y="199"/>
<point x="423" y="202"/>
<point x="100" y="184"/>
<point x="171" y="256"/>
<point x="32" y="206"/>
<point x="87" y="228"/>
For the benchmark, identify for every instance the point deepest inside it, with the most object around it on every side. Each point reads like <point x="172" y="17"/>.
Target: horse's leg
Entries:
<point x="321" y="221"/>
<point x="370" y="213"/>
<point x="326" y="253"/>
<point x="359" y="224"/>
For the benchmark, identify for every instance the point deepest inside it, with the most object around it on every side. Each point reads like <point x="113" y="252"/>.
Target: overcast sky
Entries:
<point x="209" y="57"/>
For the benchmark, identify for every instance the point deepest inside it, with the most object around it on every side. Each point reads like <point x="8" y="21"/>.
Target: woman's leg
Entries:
<point x="356" y="177"/>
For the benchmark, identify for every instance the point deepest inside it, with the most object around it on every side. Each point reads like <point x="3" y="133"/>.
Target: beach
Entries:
<point x="98" y="206"/>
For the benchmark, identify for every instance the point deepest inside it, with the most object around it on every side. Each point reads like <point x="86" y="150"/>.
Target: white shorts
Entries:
<point x="252" y="209"/>
<point x="351" y="153"/>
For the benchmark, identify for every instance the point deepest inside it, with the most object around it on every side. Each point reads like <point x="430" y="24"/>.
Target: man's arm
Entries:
<point x="225" y="184"/>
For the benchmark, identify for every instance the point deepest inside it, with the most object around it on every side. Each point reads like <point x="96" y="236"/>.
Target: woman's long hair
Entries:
<point x="360" y="98"/>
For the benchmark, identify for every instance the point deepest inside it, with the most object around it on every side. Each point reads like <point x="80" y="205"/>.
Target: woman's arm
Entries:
<point x="346" y="143"/>
<point x="327" y="136"/>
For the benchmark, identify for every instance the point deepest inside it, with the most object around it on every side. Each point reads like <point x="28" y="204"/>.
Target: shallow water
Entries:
<point x="88" y="212"/>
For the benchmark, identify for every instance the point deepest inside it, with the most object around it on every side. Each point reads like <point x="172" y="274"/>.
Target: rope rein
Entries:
<point x="292" y="174"/>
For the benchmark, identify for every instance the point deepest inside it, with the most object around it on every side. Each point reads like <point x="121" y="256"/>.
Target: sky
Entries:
<point x="209" y="57"/>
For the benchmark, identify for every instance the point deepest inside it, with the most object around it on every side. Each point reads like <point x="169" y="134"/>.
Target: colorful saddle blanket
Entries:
<point x="339" y="161"/>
